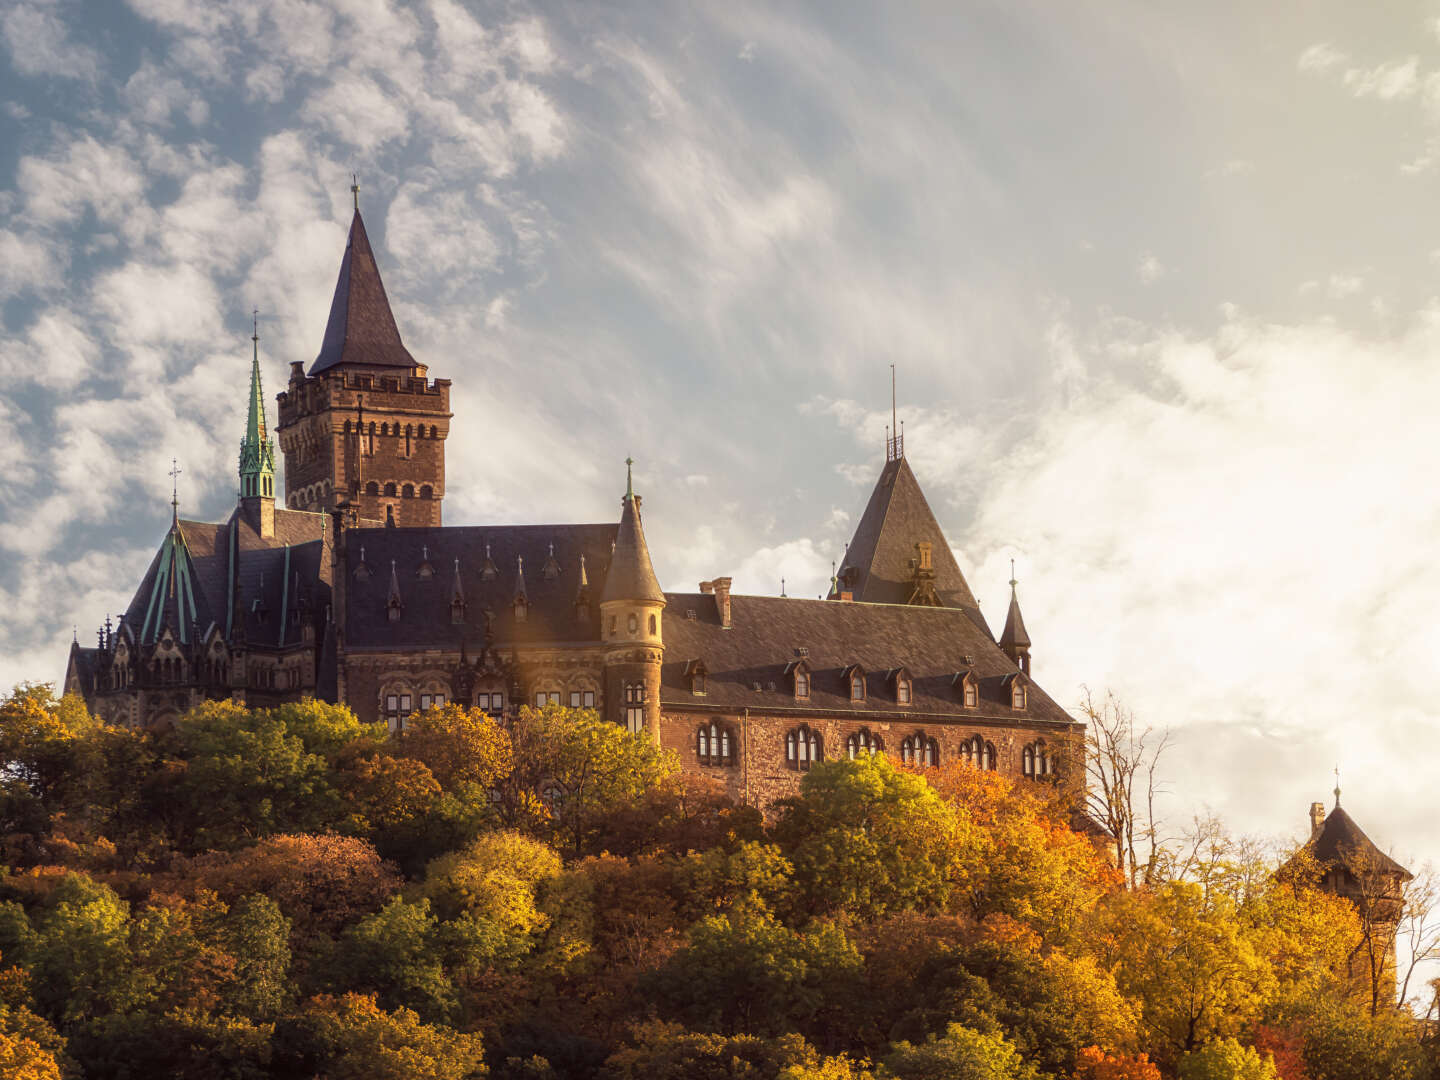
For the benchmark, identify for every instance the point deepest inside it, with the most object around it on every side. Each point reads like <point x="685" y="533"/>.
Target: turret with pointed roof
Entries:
<point x="1014" y="639"/>
<point x="631" y="577"/>
<point x="257" y="453"/>
<point x="631" y="607"/>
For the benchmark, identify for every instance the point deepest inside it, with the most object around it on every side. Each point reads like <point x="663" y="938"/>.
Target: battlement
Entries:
<point x="348" y="391"/>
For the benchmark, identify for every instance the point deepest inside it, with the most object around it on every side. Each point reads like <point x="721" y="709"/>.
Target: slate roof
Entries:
<point x="762" y="646"/>
<point x="425" y="615"/>
<point x="631" y="575"/>
<point x="361" y="329"/>
<point x="217" y="553"/>
<point x="1340" y="840"/>
<point x="1014" y="632"/>
<point x="883" y="547"/>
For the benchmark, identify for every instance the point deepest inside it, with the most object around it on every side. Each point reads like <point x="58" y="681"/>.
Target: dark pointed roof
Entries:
<point x="362" y="329"/>
<point x="883" y="547"/>
<point x="631" y="577"/>
<point x="170" y="596"/>
<point x="1342" y="841"/>
<point x="1014" y="633"/>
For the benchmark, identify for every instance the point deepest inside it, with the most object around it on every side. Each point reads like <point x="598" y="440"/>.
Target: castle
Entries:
<point x="352" y="590"/>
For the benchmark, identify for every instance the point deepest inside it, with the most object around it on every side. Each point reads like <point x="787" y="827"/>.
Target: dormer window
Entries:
<point x="800" y="673"/>
<point x="696" y="671"/>
<point x="904" y="688"/>
<point x="1017" y="692"/>
<point x="969" y="688"/>
<point x="856" y="677"/>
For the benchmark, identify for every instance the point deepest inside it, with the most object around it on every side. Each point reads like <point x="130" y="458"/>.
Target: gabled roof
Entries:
<point x="361" y="330"/>
<point x="882" y="551"/>
<point x="170" y="595"/>
<point x="1343" y="842"/>
<point x="762" y="644"/>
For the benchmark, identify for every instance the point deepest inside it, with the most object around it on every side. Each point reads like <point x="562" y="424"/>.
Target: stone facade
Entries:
<point x="354" y="591"/>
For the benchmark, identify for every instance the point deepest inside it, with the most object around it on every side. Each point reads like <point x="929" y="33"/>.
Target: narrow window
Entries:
<point x="902" y="691"/>
<point x="633" y="624"/>
<point x="802" y="683"/>
<point x="588" y="700"/>
<point x="972" y="695"/>
<point x="857" y="687"/>
<point x="653" y="626"/>
<point x="540" y="699"/>
<point x="1017" y="695"/>
<point x="635" y="707"/>
<point x="554" y="697"/>
<point x="574" y="699"/>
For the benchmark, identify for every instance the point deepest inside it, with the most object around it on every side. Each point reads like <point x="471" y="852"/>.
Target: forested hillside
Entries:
<point x="291" y="894"/>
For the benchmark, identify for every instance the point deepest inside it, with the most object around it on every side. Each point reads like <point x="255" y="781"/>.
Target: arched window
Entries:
<point x="384" y="430"/>
<point x="1017" y="696"/>
<point x="802" y="748"/>
<point x="632" y="623"/>
<point x="920" y="749"/>
<point x="801" y="675"/>
<point x="1036" y="762"/>
<point x="390" y="488"/>
<point x="408" y="491"/>
<point x="372" y="488"/>
<point x="654" y="626"/>
<point x="862" y="744"/>
<point x="903" y="687"/>
<point x="857" y="684"/>
<point x="635" y="708"/>
<point x="432" y="431"/>
<point x="979" y="753"/>
<point x="426" y="491"/>
<point x="713" y="744"/>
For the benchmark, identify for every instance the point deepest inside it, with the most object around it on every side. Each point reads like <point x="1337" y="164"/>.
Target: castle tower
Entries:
<point x="1013" y="639"/>
<point x="365" y="426"/>
<point x="631" y="609"/>
<point x="257" y="454"/>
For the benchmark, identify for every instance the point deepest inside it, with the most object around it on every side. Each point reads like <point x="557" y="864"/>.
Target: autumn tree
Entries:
<point x="960" y="1053"/>
<point x="350" y="1037"/>
<point x="1121" y="762"/>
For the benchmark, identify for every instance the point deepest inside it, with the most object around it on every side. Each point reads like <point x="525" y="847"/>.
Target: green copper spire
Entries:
<point x="257" y="450"/>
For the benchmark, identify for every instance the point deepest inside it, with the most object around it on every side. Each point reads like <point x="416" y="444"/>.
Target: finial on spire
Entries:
<point x="629" y="483"/>
<point x="782" y="586"/>
<point x="1337" y="787"/>
<point x="175" y="472"/>
<point x="1013" y="580"/>
<point x="255" y="328"/>
<point x="895" y="433"/>
<point x="355" y="189"/>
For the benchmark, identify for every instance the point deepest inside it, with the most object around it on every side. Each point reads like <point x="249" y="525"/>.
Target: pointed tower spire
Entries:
<point x="631" y="575"/>
<point x="361" y="329"/>
<point x="393" y="603"/>
<point x="1014" y="640"/>
<point x="257" y="450"/>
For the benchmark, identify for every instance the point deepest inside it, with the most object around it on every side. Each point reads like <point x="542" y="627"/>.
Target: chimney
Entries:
<point x="720" y="589"/>
<point x="1317" y="818"/>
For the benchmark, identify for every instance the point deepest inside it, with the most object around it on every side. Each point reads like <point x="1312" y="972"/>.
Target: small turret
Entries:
<point x="631" y="607"/>
<point x="1014" y="640"/>
<point x="257" y="453"/>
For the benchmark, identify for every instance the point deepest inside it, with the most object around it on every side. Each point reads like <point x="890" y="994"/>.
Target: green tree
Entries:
<point x="1226" y="1059"/>
<point x="397" y="954"/>
<point x="664" y="1051"/>
<point x="868" y="838"/>
<point x="746" y="972"/>
<point x="961" y="1053"/>
<point x="81" y="959"/>
<point x="351" y="1038"/>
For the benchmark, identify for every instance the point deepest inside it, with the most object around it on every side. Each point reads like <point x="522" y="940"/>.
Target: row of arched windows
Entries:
<point x="403" y="491"/>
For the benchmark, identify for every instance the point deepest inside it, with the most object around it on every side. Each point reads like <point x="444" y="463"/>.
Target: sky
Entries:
<point x="1160" y="282"/>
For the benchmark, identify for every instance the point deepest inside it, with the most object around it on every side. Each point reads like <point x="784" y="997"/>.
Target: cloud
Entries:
<point x="1321" y="57"/>
<point x="1342" y="286"/>
<point x="38" y="43"/>
<point x="1393" y="81"/>
<point x="1150" y="269"/>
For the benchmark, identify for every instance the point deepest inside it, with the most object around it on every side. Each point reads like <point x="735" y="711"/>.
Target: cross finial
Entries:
<point x="355" y="189"/>
<point x="629" y="483"/>
<point x="175" y="472"/>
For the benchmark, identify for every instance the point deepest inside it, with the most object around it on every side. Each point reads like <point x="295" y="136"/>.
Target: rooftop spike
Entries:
<point x="361" y="329"/>
<point x="1014" y="640"/>
<point x="257" y="449"/>
<point x="631" y="575"/>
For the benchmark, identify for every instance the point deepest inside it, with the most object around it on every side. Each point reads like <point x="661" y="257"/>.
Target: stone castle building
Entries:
<point x="353" y="590"/>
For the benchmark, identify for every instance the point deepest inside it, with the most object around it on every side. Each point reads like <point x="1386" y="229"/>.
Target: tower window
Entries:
<point x="632" y="623"/>
<point x="634" y="708"/>
<point x="654" y="626"/>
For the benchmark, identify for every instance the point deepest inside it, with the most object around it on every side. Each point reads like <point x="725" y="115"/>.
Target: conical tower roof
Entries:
<point x="631" y="577"/>
<point x="881" y="553"/>
<point x="1014" y="634"/>
<point x="362" y="329"/>
<point x="1341" y="841"/>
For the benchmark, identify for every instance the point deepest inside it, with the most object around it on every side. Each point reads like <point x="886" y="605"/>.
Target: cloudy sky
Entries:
<point x="1159" y="279"/>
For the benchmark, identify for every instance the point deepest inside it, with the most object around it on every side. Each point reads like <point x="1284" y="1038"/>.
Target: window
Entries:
<point x="1036" y="762"/>
<point x="634" y="708"/>
<point x="857" y="685"/>
<point x="632" y="623"/>
<point x="372" y="488"/>
<point x="390" y="488"/>
<point x="979" y="753"/>
<point x="920" y="749"/>
<point x="713" y="745"/>
<point x="654" y="626"/>
<point x="431" y="700"/>
<point x="802" y="748"/>
<point x="862" y="743"/>
<point x="1017" y="694"/>
<point x="902" y="687"/>
<point x="972" y="695"/>
<point x="492" y="702"/>
<point x="612" y="626"/>
<point x="582" y="699"/>
<point x="398" y="706"/>
<point x="801" y="675"/>
<point x="546" y="697"/>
